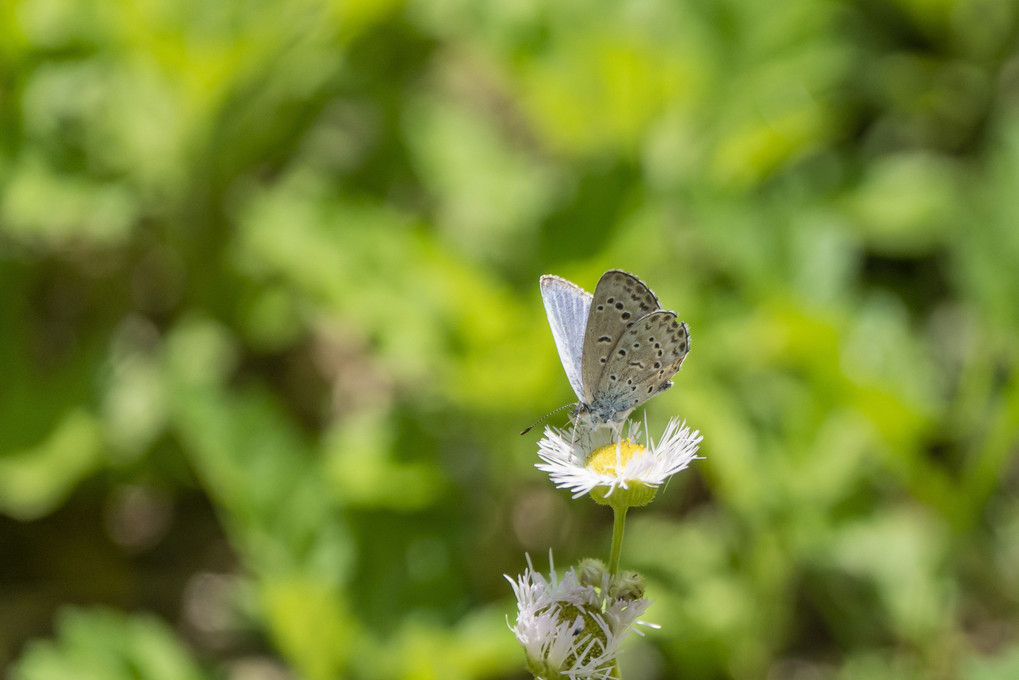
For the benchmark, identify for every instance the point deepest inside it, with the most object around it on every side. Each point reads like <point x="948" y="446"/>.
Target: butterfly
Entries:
<point x="618" y="347"/>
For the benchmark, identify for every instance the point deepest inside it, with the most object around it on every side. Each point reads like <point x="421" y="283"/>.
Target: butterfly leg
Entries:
<point x="617" y="432"/>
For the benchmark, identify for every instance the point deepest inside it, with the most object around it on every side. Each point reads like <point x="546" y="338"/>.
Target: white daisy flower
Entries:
<point x="571" y="631"/>
<point x="626" y="473"/>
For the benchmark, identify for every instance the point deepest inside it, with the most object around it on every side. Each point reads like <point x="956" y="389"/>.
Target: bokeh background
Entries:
<point x="271" y="326"/>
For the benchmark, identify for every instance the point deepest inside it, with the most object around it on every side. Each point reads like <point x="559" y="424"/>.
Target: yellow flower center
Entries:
<point x="609" y="460"/>
<point x="603" y="459"/>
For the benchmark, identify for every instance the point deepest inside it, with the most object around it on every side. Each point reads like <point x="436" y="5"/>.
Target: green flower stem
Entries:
<point x="618" y="524"/>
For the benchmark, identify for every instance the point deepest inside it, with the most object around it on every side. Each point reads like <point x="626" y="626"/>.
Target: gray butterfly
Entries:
<point x="619" y="347"/>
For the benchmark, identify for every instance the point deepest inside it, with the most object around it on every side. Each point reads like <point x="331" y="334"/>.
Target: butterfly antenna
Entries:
<point x="546" y="416"/>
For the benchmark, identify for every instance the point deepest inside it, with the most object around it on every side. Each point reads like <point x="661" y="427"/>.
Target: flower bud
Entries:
<point x="627" y="585"/>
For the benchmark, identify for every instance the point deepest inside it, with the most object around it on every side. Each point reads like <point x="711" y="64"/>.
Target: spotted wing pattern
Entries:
<point x="619" y="300"/>
<point x="641" y="364"/>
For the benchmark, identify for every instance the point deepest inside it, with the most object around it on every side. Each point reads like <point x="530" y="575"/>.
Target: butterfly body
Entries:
<point x="618" y="346"/>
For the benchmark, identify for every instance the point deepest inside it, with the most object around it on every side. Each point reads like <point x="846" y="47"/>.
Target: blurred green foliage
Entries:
<point x="270" y="325"/>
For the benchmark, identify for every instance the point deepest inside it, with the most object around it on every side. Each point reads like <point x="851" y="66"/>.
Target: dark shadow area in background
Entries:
<point x="92" y="569"/>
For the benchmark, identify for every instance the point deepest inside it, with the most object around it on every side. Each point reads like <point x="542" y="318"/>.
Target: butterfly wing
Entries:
<point x="567" y="306"/>
<point x="619" y="300"/>
<point x="643" y="362"/>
